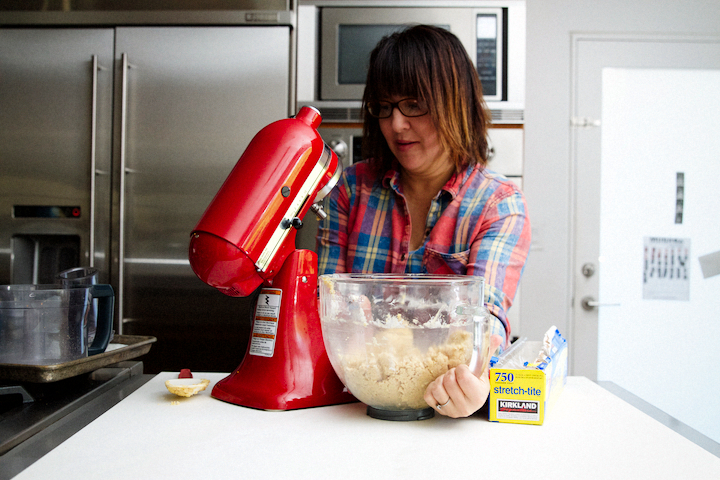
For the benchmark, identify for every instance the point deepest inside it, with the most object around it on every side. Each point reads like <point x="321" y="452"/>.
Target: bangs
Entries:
<point x="397" y="72"/>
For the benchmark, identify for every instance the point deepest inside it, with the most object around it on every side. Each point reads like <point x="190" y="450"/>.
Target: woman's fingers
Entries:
<point x="473" y="388"/>
<point x="467" y="391"/>
<point x="435" y="393"/>
<point x="457" y="393"/>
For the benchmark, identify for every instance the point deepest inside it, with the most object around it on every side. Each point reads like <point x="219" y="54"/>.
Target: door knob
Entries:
<point x="588" y="270"/>
<point x="588" y="303"/>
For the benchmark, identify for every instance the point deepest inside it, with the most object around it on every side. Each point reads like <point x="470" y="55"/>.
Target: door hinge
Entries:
<point x="584" y="122"/>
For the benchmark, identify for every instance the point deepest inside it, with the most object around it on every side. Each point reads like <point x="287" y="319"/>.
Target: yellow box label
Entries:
<point x="517" y="395"/>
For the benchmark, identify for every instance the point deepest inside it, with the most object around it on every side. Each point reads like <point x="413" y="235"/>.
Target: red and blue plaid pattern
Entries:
<point x="477" y="225"/>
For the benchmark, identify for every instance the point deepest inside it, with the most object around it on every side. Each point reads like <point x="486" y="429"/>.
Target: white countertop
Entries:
<point x="590" y="433"/>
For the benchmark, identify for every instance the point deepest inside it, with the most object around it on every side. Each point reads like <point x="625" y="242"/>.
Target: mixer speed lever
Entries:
<point x="292" y="222"/>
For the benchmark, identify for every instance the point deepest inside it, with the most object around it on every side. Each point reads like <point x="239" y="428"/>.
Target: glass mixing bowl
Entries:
<point x="388" y="336"/>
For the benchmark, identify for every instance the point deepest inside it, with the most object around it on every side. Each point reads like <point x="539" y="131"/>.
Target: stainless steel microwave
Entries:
<point x="335" y="39"/>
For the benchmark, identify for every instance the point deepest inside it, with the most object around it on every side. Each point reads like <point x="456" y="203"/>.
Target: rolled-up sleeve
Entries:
<point x="499" y="250"/>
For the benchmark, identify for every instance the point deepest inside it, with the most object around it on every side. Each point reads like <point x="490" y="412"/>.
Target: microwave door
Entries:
<point x="490" y="59"/>
<point x="348" y="35"/>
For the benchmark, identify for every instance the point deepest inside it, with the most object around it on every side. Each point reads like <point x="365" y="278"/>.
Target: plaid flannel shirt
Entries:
<point x="477" y="225"/>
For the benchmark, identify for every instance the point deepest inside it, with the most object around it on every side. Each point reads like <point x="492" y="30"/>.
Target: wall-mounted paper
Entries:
<point x="666" y="274"/>
<point x="710" y="264"/>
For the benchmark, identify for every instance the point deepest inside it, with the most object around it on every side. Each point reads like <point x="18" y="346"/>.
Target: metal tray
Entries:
<point x="132" y="346"/>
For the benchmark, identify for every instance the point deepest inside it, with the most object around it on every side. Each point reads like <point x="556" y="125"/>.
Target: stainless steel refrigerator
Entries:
<point x="113" y="141"/>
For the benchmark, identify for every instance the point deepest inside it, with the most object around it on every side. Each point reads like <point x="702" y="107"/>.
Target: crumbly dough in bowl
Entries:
<point x="392" y="373"/>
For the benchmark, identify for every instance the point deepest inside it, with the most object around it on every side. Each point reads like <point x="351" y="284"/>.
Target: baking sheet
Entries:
<point x="122" y="347"/>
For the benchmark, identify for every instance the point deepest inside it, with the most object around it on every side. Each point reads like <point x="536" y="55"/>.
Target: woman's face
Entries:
<point x="415" y="142"/>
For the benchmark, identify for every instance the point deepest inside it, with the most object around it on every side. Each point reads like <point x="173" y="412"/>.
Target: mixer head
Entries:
<point x="249" y="229"/>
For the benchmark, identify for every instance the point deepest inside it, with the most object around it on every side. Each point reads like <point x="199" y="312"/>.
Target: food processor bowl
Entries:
<point x="47" y="324"/>
<point x="388" y="336"/>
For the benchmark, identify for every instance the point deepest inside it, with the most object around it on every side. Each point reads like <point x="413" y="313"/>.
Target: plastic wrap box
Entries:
<point x="523" y="390"/>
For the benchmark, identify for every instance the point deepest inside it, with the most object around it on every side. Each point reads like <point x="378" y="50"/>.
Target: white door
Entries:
<point x="646" y="111"/>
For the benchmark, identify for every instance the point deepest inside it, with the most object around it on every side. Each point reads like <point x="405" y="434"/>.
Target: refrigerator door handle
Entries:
<point x="121" y="230"/>
<point x="94" y="172"/>
<point x="93" y="169"/>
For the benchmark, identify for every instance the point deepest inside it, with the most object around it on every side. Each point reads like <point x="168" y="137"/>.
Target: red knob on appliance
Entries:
<point x="248" y="230"/>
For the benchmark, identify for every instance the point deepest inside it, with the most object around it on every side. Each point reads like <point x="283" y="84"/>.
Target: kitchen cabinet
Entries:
<point x="137" y="126"/>
<point x="506" y="150"/>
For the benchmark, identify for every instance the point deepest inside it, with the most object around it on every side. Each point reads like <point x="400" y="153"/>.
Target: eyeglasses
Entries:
<point x="410" y="107"/>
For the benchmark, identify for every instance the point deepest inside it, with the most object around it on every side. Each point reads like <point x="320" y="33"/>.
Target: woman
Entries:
<point x="423" y="202"/>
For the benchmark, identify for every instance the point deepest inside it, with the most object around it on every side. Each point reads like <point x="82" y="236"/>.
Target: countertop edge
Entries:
<point x="673" y="423"/>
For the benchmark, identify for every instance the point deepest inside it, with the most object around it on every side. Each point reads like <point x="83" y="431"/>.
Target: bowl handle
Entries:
<point x="481" y="342"/>
<point x="106" y="306"/>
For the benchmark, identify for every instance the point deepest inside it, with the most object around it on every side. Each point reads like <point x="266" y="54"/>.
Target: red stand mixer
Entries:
<point x="246" y="238"/>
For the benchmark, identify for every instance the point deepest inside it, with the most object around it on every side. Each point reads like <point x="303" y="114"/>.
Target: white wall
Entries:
<point x="547" y="281"/>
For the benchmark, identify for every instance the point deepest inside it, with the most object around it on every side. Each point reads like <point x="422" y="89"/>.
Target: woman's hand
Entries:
<point x="458" y="392"/>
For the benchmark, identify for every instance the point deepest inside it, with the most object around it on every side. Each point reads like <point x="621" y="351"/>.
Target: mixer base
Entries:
<point x="401" y="415"/>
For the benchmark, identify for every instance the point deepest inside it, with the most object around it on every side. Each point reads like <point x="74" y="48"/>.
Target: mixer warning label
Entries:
<point x="265" y="325"/>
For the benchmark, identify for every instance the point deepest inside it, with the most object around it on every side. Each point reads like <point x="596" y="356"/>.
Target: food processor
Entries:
<point x="48" y="324"/>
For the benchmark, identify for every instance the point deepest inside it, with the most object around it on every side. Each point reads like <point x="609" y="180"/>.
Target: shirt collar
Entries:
<point x="391" y="179"/>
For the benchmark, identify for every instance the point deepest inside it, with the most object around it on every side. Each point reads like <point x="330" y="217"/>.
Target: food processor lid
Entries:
<point x="43" y="296"/>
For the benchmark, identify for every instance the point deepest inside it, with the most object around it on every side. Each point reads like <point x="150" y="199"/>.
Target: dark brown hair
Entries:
<point x="428" y="63"/>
